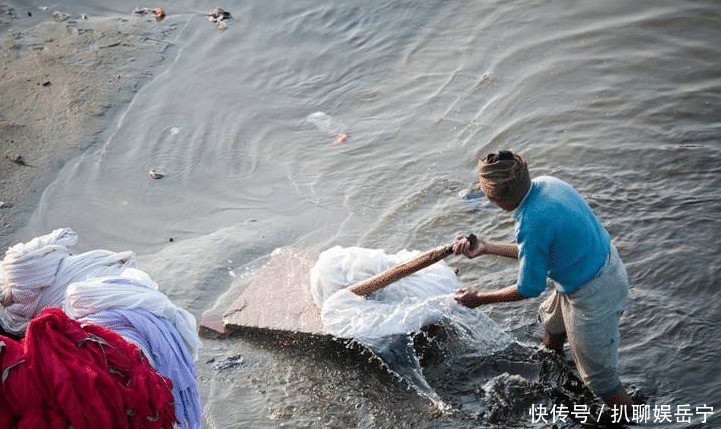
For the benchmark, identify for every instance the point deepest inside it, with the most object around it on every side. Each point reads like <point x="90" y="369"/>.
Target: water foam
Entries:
<point x="387" y="321"/>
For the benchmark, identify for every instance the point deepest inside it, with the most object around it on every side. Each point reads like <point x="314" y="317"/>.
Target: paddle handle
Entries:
<point x="393" y="274"/>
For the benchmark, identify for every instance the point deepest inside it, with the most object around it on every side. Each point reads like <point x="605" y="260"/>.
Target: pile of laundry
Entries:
<point x="91" y="342"/>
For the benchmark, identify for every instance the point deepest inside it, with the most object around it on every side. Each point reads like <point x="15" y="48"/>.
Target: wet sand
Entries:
<point x="63" y="81"/>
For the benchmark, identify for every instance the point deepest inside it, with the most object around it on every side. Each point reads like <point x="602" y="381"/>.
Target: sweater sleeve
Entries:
<point x="532" y="272"/>
<point x="534" y="259"/>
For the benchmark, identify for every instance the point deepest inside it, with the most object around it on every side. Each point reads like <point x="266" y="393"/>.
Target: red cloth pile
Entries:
<point x="64" y="373"/>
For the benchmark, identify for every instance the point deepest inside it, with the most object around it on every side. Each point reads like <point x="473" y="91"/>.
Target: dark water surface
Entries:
<point x="620" y="99"/>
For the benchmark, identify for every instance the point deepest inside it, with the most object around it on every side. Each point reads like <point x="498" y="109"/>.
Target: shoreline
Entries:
<point x="64" y="81"/>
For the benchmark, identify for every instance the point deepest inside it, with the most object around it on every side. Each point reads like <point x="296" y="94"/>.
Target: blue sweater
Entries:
<point x="558" y="236"/>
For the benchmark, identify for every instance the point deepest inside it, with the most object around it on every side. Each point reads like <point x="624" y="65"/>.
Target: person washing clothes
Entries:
<point x="557" y="236"/>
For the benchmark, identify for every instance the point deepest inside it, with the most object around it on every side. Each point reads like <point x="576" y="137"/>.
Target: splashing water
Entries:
<point x="438" y="347"/>
<point x="392" y="321"/>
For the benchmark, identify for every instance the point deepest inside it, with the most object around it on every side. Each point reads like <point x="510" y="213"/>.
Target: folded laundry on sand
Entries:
<point x="102" y="288"/>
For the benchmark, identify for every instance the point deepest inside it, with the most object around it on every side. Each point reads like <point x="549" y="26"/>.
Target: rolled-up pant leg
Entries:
<point x="590" y="318"/>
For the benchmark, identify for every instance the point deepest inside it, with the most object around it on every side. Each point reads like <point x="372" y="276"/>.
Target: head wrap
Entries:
<point x="504" y="177"/>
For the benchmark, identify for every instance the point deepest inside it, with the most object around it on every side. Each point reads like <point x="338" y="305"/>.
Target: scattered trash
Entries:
<point x="325" y="123"/>
<point x="341" y="138"/>
<point x="159" y="12"/>
<point x="218" y="16"/>
<point x="329" y="125"/>
<point x="19" y="160"/>
<point x="10" y="12"/>
<point x="155" y="175"/>
<point x="474" y="198"/>
<point x="60" y="17"/>
<point x="471" y="194"/>
<point x="47" y="83"/>
<point x="229" y="362"/>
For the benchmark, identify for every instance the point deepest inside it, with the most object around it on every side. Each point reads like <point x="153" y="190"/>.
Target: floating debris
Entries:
<point x="217" y="15"/>
<point x="341" y="138"/>
<point x="155" y="175"/>
<point x="471" y="194"/>
<point x="327" y="124"/>
<point x="159" y="13"/>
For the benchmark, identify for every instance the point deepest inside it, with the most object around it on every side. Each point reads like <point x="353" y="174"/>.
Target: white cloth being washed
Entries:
<point x="407" y="305"/>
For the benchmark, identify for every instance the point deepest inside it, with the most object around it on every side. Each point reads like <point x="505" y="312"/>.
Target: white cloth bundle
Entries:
<point x="132" y="289"/>
<point x="35" y="275"/>
<point x="402" y="307"/>
<point x="44" y="273"/>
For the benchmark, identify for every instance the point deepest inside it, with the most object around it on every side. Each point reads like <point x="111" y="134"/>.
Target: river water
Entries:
<point x="620" y="99"/>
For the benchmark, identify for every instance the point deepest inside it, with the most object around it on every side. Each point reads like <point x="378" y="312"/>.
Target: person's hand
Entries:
<point x="468" y="297"/>
<point x="464" y="246"/>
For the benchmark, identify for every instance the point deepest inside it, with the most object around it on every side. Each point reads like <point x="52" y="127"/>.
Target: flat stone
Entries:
<point x="278" y="298"/>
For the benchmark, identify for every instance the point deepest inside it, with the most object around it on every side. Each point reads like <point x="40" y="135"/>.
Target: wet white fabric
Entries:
<point x="35" y="275"/>
<point x="132" y="289"/>
<point x="405" y="306"/>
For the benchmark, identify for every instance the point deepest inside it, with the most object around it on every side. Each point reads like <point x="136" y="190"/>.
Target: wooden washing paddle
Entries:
<point x="393" y="274"/>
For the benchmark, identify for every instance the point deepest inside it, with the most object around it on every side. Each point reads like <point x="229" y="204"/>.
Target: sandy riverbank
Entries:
<point x="63" y="83"/>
